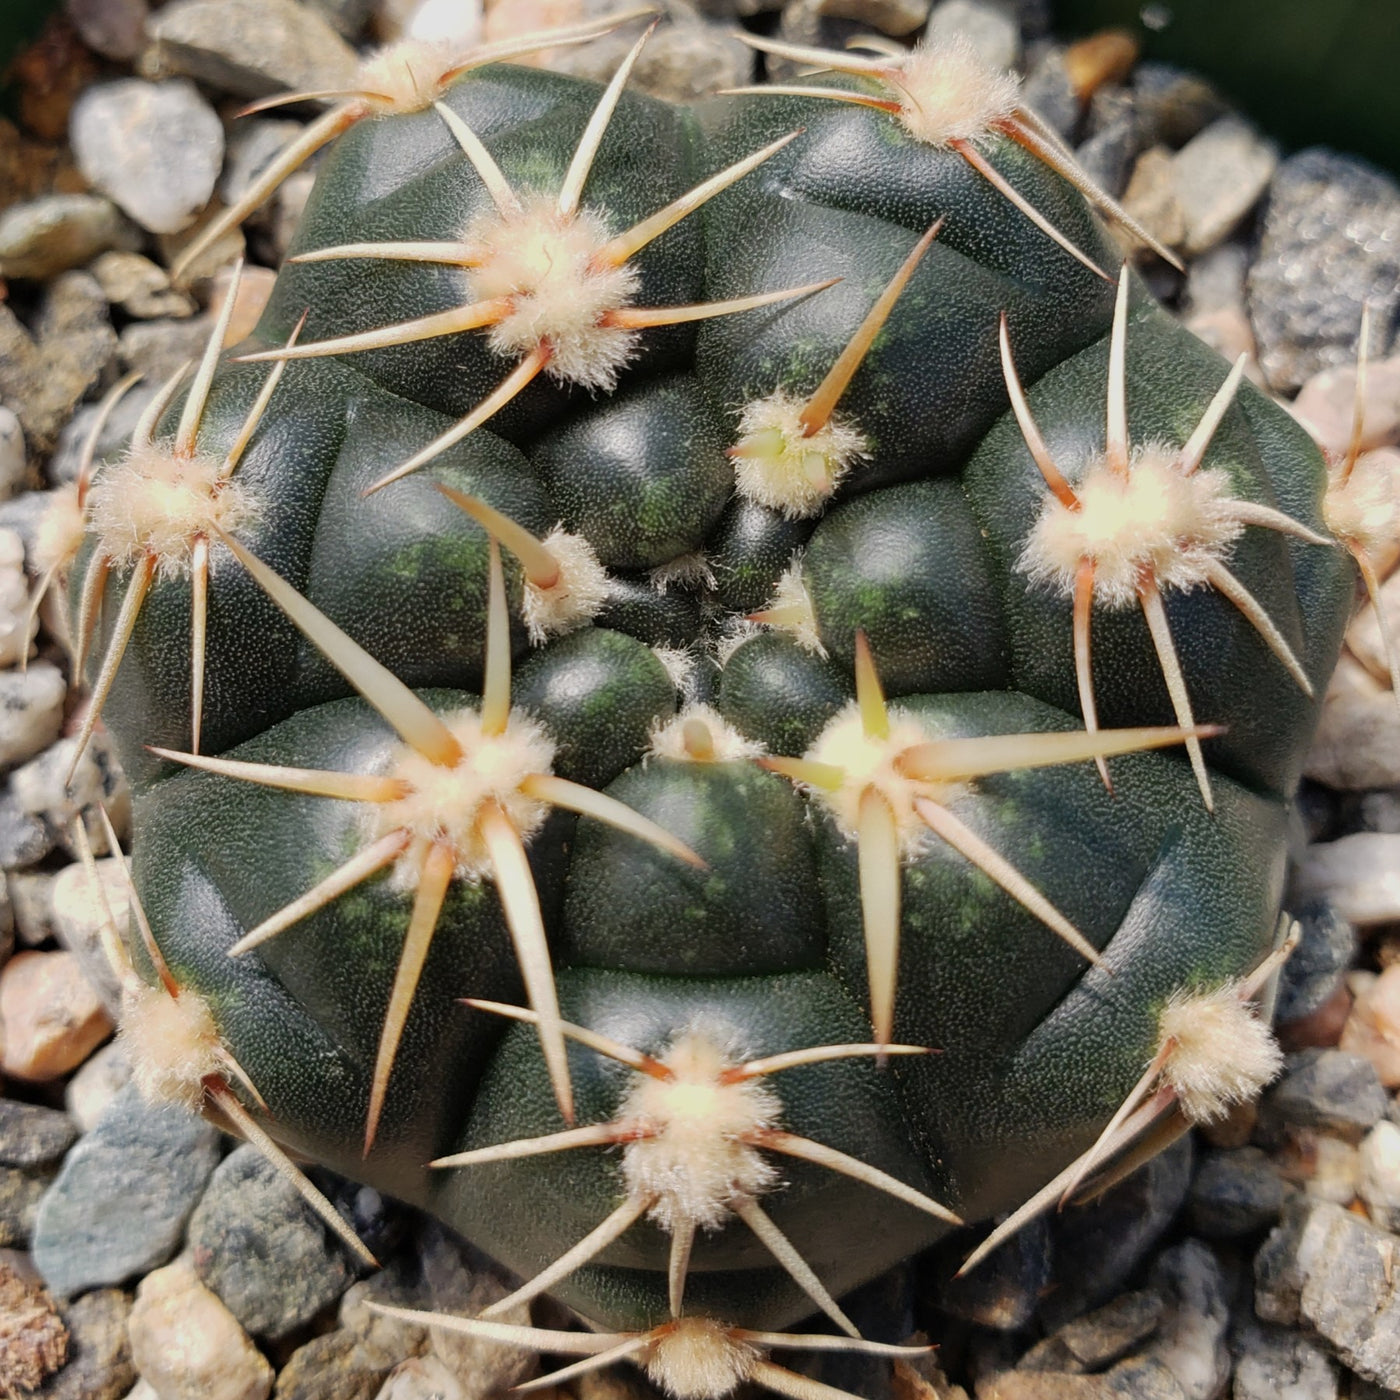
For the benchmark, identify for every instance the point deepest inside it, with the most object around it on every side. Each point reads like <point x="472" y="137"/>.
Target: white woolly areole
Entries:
<point x="695" y="1164"/>
<point x="1220" y="1053"/>
<point x="678" y="663"/>
<point x="171" y="1042"/>
<point x="544" y="262"/>
<point x="782" y="467"/>
<point x="408" y="76"/>
<point x="948" y="93"/>
<point x="694" y="1358"/>
<point x="1154" y="519"/>
<point x="156" y="502"/>
<point x="668" y="738"/>
<point x="792" y="604"/>
<point x="575" y="597"/>
<point x="445" y="805"/>
<point x="874" y="763"/>
<point x="1365" y="511"/>
<point x="60" y="532"/>
<point x="684" y="571"/>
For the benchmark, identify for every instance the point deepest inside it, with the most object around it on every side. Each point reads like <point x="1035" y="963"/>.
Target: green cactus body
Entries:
<point x="910" y="565"/>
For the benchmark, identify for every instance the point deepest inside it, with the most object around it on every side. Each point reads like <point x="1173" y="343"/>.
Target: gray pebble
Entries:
<point x="24" y="839"/>
<point x="13" y="465"/>
<point x="346" y="17"/>
<point x="1330" y="241"/>
<point x="1272" y="1364"/>
<point x="1330" y="1270"/>
<point x="45" y="236"/>
<point x="1099" y="1338"/>
<point x="1325" y="951"/>
<point x="157" y="349"/>
<point x="258" y="1246"/>
<point x="33" y="1136"/>
<point x="114" y="28"/>
<point x="155" y="148"/>
<point x="1331" y="1090"/>
<point x="1215" y="280"/>
<point x="31" y="711"/>
<point x="1098" y="1246"/>
<point x="23" y="514"/>
<point x="99" y="1355"/>
<point x="1048" y="92"/>
<point x="119" y="1205"/>
<point x="140" y="287"/>
<point x="1190" y="1339"/>
<point x="63" y="466"/>
<point x="1107" y="156"/>
<point x="252" y="48"/>
<point x="252" y="146"/>
<point x="21" y="1192"/>
<point x="1219" y="177"/>
<point x="43" y="789"/>
<point x="46" y="370"/>
<point x="1173" y="105"/>
<point x="994" y="35"/>
<point x="1235" y="1194"/>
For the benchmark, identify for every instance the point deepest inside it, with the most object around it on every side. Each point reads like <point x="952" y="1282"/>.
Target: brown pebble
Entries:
<point x="51" y="1019"/>
<point x="1322" y="1027"/>
<point x="1105" y="57"/>
<point x="1373" y="1028"/>
<point x="254" y="289"/>
<point x="33" y="1339"/>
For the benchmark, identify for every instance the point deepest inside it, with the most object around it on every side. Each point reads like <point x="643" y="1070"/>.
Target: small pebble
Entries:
<point x="1328" y="1269"/>
<point x="1218" y="177"/>
<point x="119" y="1205"/>
<point x="1106" y="57"/>
<point x="96" y="1084"/>
<point x="254" y="291"/>
<point x="140" y="287"/>
<point x="1326" y="406"/>
<point x="13" y="465"/>
<point x="1173" y="105"/>
<point x="41" y="790"/>
<point x="456" y="21"/>
<point x="252" y="146"/>
<point x="1359" y="874"/>
<point x="46" y="370"/>
<point x="1048" y="92"/>
<point x="1272" y="1364"/>
<point x="49" y="235"/>
<point x="1363" y="637"/>
<point x="1235" y="1194"/>
<point x="1003" y="1292"/>
<point x="995" y="37"/>
<point x="17" y="631"/>
<point x="33" y="1339"/>
<point x="155" y="148"/>
<point x="114" y="28"/>
<point x="1331" y="1168"/>
<point x="260" y="1248"/>
<point x="99" y="1354"/>
<point x="21" y="1192"/>
<point x="421" y="1378"/>
<point x="1330" y="1090"/>
<point x="188" y="1345"/>
<point x="51" y="1018"/>
<point x="83" y="918"/>
<point x="252" y="48"/>
<point x="1330" y="241"/>
<point x="157" y="349"/>
<point x="1190" y="1338"/>
<point x="1151" y="196"/>
<point x="1099" y="1338"/>
<point x="31" y="704"/>
<point x="33" y="1136"/>
<point x="1357" y="746"/>
<point x="1378" y="1174"/>
<point x="1315" y="973"/>
<point x="1373" y="1028"/>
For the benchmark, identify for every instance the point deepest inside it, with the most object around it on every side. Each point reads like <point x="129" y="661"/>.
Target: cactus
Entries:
<point x="622" y="755"/>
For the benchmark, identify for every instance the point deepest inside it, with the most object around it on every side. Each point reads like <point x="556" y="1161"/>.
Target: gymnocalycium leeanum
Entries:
<point x="711" y="695"/>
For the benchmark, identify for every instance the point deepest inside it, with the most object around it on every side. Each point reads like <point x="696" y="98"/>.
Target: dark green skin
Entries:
<point x="776" y="691"/>
<point x="1035" y="1051"/>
